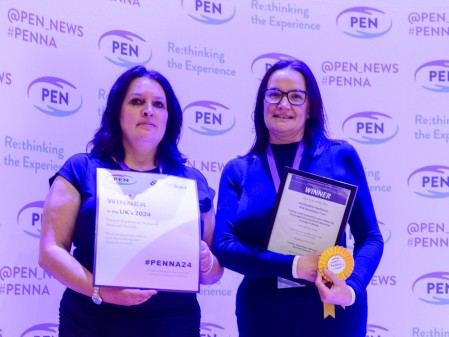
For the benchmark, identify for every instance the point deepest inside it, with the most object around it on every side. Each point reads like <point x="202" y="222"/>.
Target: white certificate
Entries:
<point x="147" y="231"/>
<point x="310" y="213"/>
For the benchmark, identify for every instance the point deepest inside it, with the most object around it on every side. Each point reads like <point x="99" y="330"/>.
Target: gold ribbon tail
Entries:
<point x="329" y="310"/>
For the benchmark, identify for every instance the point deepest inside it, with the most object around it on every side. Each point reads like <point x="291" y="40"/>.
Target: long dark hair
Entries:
<point x="315" y="129"/>
<point x="108" y="138"/>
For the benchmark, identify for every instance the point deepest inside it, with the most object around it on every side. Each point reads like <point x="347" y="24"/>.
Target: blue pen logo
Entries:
<point x="430" y="181"/>
<point x="364" y="22"/>
<point x="369" y="127"/>
<point x="432" y="288"/>
<point x="209" y="12"/>
<point x="54" y="96"/>
<point x="385" y="231"/>
<point x="121" y="179"/>
<point x="124" y="49"/>
<point x="44" y="329"/>
<point x="208" y="118"/>
<point x="373" y="330"/>
<point x="30" y="218"/>
<point x="262" y="63"/>
<point x="434" y="76"/>
<point x="211" y="329"/>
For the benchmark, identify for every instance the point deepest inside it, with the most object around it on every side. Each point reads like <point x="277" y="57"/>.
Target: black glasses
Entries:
<point x="295" y="97"/>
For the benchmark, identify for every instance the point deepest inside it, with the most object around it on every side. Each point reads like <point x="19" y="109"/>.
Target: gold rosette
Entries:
<point x="338" y="260"/>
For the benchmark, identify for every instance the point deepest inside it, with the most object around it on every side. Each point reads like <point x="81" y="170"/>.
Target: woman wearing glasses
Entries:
<point x="289" y="120"/>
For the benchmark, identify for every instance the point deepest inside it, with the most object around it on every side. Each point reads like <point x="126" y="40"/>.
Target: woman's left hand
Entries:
<point x="206" y="258"/>
<point x="210" y="269"/>
<point x="336" y="292"/>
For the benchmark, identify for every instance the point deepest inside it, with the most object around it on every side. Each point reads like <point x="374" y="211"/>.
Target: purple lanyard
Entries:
<point x="272" y="163"/>
<point x="126" y="167"/>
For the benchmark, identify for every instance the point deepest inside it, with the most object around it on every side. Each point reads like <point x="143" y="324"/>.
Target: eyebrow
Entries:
<point x="276" y="88"/>
<point x="134" y="93"/>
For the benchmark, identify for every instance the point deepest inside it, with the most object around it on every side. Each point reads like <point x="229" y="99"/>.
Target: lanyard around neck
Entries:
<point x="272" y="163"/>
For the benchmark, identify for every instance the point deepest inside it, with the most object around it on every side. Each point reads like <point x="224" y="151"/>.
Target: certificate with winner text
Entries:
<point x="147" y="231"/>
<point x="310" y="213"/>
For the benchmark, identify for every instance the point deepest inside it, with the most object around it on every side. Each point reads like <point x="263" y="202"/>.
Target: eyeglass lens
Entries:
<point x="295" y="97"/>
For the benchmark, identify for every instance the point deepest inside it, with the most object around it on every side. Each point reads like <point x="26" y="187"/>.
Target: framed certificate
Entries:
<point x="310" y="213"/>
<point x="147" y="231"/>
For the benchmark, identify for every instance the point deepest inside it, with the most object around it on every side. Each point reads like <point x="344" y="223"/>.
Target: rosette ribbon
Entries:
<point x="340" y="261"/>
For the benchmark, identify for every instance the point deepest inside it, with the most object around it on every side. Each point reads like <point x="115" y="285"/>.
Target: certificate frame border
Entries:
<point x="97" y="201"/>
<point x="288" y="170"/>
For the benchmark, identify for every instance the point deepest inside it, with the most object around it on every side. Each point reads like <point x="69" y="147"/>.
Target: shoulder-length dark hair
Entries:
<point x="315" y="129"/>
<point x="108" y="138"/>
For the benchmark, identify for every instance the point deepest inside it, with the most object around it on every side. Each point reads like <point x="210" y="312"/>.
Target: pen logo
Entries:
<point x="124" y="49"/>
<point x="385" y="231"/>
<point x="364" y="22"/>
<point x="54" y="96"/>
<point x="30" y="218"/>
<point x="377" y="330"/>
<point x="432" y="288"/>
<point x="208" y="118"/>
<point x="211" y="329"/>
<point x="121" y="179"/>
<point x="209" y="12"/>
<point x="434" y="76"/>
<point x="370" y="127"/>
<point x="430" y="181"/>
<point x="44" y="329"/>
<point x="262" y="63"/>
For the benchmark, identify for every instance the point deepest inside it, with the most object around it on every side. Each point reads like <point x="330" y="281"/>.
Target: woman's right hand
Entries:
<point x="126" y="296"/>
<point x="307" y="266"/>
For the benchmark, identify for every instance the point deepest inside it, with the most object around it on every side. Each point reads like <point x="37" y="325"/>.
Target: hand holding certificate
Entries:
<point x="310" y="213"/>
<point x="148" y="231"/>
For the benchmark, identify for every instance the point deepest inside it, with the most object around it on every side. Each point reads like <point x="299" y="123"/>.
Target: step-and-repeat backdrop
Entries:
<point x="383" y="68"/>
